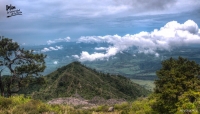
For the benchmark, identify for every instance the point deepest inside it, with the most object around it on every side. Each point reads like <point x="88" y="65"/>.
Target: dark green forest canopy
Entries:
<point x="175" y="78"/>
<point x="76" y="78"/>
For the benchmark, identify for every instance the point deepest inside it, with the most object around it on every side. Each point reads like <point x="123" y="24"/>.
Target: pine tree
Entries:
<point x="21" y="64"/>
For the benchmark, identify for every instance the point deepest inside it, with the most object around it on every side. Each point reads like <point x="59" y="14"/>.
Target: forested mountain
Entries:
<point x="77" y="79"/>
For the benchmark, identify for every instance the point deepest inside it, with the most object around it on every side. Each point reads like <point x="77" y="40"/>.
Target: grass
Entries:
<point x="21" y="105"/>
<point x="148" y="84"/>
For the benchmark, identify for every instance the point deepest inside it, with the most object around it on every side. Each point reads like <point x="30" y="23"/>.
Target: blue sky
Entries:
<point x="45" y="20"/>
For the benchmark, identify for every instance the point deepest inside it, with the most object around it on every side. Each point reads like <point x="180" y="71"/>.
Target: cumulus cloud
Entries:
<point x="172" y="35"/>
<point x="85" y="56"/>
<point x="67" y="39"/>
<point x="52" y="49"/>
<point x="75" y="56"/>
<point x="45" y="50"/>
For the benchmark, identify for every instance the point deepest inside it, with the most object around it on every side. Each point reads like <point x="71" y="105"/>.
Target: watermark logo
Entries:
<point x="12" y="11"/>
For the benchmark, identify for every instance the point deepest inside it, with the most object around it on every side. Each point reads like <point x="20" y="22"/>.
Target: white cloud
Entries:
<point x="157" y="55"/>
<point x="45" y="50"/>
<point x="52" y="49"/>
<point x="59" y="47"/>
<point x="50" y="42"/>
<point x="85" y="56"/>
<point x="55" y="62"/>
<point x="172" y="35"/>
<point x="75" y="56"/>
<point x="67" y="39"/>
<point x="100" y="48"/>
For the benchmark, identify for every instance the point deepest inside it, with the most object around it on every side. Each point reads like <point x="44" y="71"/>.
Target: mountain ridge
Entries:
<point x="78" y="79"/>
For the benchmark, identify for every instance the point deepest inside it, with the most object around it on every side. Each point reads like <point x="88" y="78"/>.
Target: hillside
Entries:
<point x="77" y="79"/>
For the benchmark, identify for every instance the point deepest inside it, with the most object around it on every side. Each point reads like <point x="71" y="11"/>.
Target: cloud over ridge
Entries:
<point x="52" y="48"/>
<point x="168" y="37"/>
<point x="67" y="39"/>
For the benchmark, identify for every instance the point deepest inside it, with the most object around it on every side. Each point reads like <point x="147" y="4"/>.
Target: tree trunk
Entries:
<point x="1" y="86"/>
<point x="8" y="84"/>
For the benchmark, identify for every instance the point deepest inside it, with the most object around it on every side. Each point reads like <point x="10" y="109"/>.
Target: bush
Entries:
<point x="122" y="106"/>
<point x="103" y="108"/>
<point x="5" y="103"/>
<point x="142" y="106"/>
<point x="31" y="107"/>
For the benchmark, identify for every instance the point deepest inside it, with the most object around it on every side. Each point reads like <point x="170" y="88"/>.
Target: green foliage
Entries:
<point x="14" y="100"/>
<point x="143" y="106"/>
<point x="5" y="103"/>
<point x="22" y="105"/>
<point x="8" y="104"/>
<point x="148" y="84"/>
<point x="32" y="107"/>
<point x="76" y="78"/>
<point x="20" y="63"/>
<point x="123" y="107"/>
<point x="102" y="108"/>
<point x="176" y="78"/>
<point x="189" y="102"/>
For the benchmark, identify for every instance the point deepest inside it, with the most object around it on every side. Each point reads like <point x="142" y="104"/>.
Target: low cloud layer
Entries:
<point x="172" y="35"/>
<point x="67" y="39"/>
<point x="52" y="49"/>
<point x="100" y="48"/>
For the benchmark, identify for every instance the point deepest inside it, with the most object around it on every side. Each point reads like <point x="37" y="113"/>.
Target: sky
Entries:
<point x="46" y="22"/>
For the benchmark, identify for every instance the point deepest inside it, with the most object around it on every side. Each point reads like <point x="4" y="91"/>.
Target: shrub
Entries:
<point x="122" y="106"/>
<point x="102" y="108"/>
<point x="5" y="103"/>
<point x="31" y="107"/>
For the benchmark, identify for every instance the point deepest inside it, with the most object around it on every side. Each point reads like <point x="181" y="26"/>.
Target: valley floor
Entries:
<point x="148" y="84"/>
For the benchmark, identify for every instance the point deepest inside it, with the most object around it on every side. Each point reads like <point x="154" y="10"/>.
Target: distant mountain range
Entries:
<point x="77" y="79"/>
<point x="129" y="63"/>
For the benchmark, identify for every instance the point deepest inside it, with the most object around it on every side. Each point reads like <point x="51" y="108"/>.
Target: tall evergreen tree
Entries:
<point x="176" y="77"/>
<point x="19" y="63"/>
